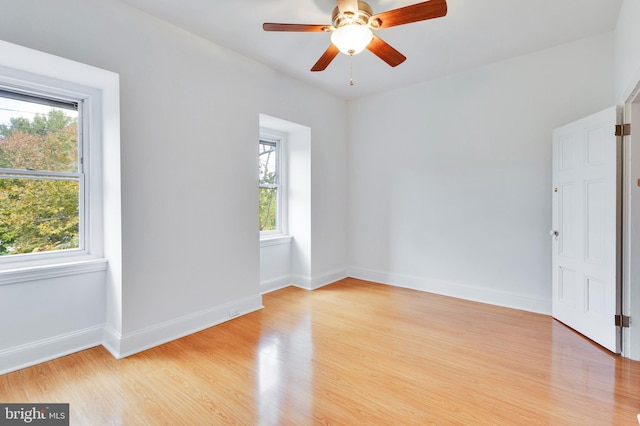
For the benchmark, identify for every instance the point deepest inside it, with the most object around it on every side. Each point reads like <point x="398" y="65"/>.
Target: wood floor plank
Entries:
<point x="350" y="353"/>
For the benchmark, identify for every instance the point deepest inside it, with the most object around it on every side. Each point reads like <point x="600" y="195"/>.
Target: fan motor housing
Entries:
<point x="361" y="18"/>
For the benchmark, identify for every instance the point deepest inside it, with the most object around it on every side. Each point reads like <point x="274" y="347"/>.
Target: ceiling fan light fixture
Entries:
<point x="351" y="25"/>
<point x="351" y="39"/>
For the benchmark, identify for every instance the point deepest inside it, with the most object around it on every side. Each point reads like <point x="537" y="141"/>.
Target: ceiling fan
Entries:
<point x="352" y="22"/>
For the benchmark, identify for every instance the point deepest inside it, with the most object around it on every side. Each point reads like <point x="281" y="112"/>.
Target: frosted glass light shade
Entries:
<point x="351" y="39"/>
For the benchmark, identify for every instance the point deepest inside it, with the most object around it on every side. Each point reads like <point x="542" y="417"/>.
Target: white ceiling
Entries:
<point x="474" y="33"/>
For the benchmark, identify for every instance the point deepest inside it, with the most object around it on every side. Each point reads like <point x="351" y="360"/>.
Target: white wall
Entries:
<point x="299" y="204"/>
<point x="627" y="48"/>
<point x="275" y="266"/>
<point x="41" y="320"/>
<point x="189" y="129"/>
<point x="449" y="180"/>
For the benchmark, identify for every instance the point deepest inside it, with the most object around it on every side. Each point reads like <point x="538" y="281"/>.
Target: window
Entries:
<point x="271" y="178"/>
<point x="89" y="238"/>
<point x="41" y="174"/>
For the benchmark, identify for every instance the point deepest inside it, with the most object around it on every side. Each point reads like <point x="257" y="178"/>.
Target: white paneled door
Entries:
<point x="585" y="234"/>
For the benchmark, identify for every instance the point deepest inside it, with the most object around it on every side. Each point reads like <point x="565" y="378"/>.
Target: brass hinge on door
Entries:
<point x="623" y="129"/>
<point x="622" y="321"/>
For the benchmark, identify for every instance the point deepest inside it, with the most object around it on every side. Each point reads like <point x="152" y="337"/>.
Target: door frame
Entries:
<point x="631" y="225"/>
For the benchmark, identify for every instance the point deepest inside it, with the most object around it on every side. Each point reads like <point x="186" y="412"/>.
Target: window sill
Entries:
<point x="275" y="240"/>
<point x="54" y="270"/>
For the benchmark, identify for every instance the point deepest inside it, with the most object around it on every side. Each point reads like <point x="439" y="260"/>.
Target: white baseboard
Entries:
<point x="313" y="283"/>
<point x="301" y="281"/>
<point x="23" y="356"/>
<point x="122" y="346"/>
<point x="328" y="278"/>
<point x="453" y="289"/>
<point x="275" y="284"/>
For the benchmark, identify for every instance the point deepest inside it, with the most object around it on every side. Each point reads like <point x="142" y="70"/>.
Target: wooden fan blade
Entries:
<point x="326" y="58"/>
<point x="350" y="6"/>
<point x="296" y="27"/>
<point x="384" y="51"/>
<point x="405" y="15"/>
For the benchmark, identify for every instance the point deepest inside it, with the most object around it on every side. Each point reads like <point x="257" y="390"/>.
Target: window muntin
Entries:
<point x="41" y="175"/>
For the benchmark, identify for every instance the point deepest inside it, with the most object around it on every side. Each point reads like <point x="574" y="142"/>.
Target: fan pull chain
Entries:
<point x="350" y="70"/>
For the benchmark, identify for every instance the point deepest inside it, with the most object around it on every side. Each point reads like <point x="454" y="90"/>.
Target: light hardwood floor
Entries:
<point x="351" y="353"/>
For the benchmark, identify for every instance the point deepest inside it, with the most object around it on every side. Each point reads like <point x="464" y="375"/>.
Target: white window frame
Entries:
<point x="97" y="92"/>
<point x="280" y="139"/>
<point x="83" y="175"/>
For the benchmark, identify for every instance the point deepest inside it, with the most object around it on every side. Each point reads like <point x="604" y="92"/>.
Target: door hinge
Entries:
<point x="622" y="321"/>
<point x="623" y="129"/>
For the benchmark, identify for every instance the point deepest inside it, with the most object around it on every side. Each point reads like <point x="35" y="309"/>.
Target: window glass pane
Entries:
<point x="267" y="163"/>
<point x="35" y="136"/>
<point x="38" y="215"/>
<point x="268" y="205"/>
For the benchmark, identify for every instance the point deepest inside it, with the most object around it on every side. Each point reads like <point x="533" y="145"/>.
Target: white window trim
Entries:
<point x="275" y="240"/>
<point x="281" y="219"/>
<point x="29" y="69"/>
<point x="54" y="270"/>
